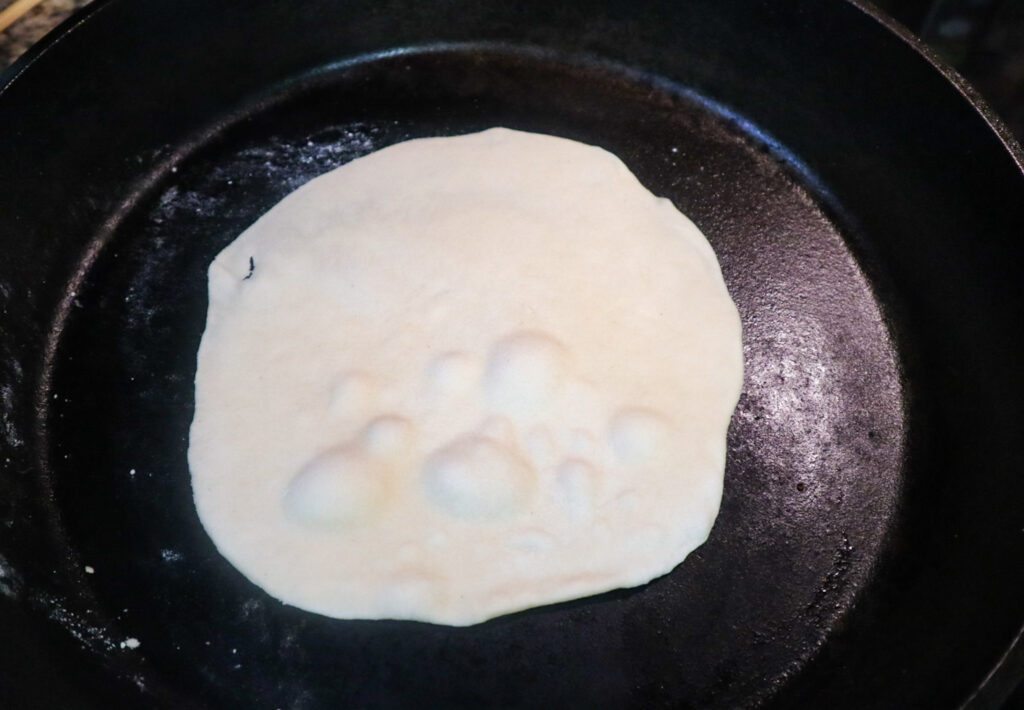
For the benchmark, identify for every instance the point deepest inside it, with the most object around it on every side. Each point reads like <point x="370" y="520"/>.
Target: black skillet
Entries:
<point x="869" y="220"/>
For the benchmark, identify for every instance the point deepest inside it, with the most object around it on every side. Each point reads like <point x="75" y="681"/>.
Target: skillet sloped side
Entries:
<point x="869" y="133"/>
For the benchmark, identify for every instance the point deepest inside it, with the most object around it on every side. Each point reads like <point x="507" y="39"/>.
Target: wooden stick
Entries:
<point x="14" y="11"/>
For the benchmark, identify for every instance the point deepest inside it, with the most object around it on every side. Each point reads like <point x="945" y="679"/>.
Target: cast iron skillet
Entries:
<point x="868" y="219"/>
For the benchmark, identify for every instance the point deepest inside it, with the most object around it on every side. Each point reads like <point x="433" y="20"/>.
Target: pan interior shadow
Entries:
<point x="815" y="446"/>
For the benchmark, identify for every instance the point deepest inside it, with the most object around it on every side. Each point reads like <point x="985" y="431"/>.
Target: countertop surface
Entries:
<point x="31" y="26"/>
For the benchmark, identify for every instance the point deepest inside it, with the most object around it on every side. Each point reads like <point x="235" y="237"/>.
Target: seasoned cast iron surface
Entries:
<point x="815" y="445"/>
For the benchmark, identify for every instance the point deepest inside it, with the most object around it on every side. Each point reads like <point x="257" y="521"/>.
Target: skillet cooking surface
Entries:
<point x="870" y="521"/>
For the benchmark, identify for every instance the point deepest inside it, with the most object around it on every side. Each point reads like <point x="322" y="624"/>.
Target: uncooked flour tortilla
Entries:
<point x="461" y="377"/>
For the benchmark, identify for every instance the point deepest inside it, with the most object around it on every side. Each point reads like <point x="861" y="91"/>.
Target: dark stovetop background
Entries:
<point x="982" y="39"/>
